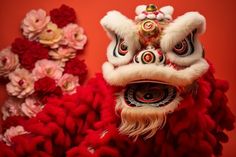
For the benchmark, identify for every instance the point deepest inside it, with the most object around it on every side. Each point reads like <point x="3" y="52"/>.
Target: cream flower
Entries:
<point x="51" y="36"/>
<point x="47" y="68"/>
<point x="11" y="107"/>
<point x="34" y="22"/>
<point x="12" y="132"/>
<point x="31" y="107"/>
<point x="74" y="36"/>
<point x="68" y="83"/>
<point x="21" y="83"/>
<point x="8" y="62"/>
<point x="63" y="54"/>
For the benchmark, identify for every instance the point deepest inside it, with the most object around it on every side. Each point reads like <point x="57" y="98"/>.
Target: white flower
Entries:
<point x="8" y="62"/>
<point x="21" y="83"/>
<point x="31" y="107"/>
<point x="68" y="83"/>
<point x="34" y="22"/>
<point x="11" y="107"/>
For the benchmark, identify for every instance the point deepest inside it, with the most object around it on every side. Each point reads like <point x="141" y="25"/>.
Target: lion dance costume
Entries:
<point x="157" y="97"/>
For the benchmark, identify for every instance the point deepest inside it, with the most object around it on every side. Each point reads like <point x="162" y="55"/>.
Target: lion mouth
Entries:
<point x="149" y="93"/>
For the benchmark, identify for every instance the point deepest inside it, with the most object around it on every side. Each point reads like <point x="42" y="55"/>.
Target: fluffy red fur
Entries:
<point x="85" y="124"/>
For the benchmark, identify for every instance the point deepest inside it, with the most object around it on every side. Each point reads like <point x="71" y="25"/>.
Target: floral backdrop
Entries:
<point x="42" y="64"/>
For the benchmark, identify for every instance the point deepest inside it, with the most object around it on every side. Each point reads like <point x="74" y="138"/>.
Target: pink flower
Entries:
<point x="74" y="36"/>
<point x="8" y="62"/>
<point x="12" y="132"/>
<point x="21" y="83"/>
<point x="31" y="107"/>
<point x="47" y="68"/>
<point x="34" y="22"/>
<point x="68" y="83"/>
<point x="11" y="107"/>
<point x="63" y="54"/>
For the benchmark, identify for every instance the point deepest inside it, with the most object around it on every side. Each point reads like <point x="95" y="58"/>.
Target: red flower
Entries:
<point x="45" y="88"/>
<point x="29" y="52"/>
<point x="77" y="67"/>
<point x="20" y="45"/>
<point x="63" y="16"/>
<point x="45" y="85"/>
<point x="27" y="60"/>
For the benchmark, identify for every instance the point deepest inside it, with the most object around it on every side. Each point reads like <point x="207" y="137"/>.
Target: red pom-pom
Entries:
<point x="6" y="151"/>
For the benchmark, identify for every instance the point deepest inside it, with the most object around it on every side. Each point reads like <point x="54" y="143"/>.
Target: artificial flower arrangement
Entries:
<point x="43" y="63"/>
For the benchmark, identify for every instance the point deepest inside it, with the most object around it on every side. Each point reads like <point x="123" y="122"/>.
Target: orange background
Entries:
<point x="219" y="40"/>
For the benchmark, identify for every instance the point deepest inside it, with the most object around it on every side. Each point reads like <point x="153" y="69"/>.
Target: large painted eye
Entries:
<point x="123" y="48"/>
<point x="181" y="48"/>
<point x="185" y="47"/>
<point x="120" y="47"/>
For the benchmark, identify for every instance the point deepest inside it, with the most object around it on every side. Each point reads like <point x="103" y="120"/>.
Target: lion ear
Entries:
<point x="116" y="23"/>
<point x="181" y="27"/>
<point x="121" y="30"/>
<point x="168" y="10"/>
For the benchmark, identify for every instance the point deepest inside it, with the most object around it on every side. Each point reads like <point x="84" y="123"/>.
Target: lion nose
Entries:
<point x="149" y="56"/>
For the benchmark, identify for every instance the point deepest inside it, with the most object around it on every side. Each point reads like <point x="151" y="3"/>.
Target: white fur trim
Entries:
<point x="125" y="74"/>
<point x="116" y="23"/>
<point x="180" y="28"/>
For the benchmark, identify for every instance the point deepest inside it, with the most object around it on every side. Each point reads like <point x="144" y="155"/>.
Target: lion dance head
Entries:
<point x="159" y="64"/>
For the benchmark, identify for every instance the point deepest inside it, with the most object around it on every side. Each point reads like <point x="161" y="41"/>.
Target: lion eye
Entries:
<point x="123" y="48"/>
<point x="181" y="48"/>
<point x="120" y="48"/>
<point x="185" y="47"/>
